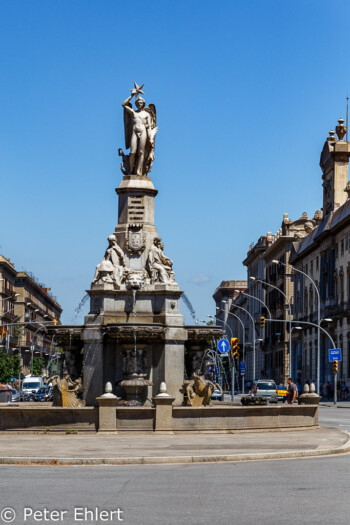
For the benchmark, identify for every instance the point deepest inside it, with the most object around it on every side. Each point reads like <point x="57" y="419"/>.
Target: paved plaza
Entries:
<point x="90" y="449"/>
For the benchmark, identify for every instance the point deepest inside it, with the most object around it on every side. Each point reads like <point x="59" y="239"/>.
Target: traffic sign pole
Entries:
<point x="233" y="381"/>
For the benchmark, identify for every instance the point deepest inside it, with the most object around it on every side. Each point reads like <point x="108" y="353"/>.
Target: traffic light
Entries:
<point x="262" y="322"/>
<point x="234" y="347"/>
<point x="335" y="367"/>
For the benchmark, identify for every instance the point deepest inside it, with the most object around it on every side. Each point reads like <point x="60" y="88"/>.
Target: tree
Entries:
<point x="10" y="366"/>
<point x="16" y="364"/>
<point x="38" y="366"/>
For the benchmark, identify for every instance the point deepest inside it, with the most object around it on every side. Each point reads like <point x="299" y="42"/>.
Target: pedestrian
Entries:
<point x="292" y="391"/>
<point x="328" y="390"/>
<point x="321" y="389"/>
<point x="342" y="390"/>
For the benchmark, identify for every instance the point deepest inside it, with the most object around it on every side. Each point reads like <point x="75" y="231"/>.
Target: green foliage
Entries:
<point x="38" y="366"/>
<point x="10" y="366"/>
<point x="70" y="431"/>
<point x="18" y="329"/>
<point x="16" y="359"/>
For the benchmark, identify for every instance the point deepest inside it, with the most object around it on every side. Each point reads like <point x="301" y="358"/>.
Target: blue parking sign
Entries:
<point x="334" y="354"/>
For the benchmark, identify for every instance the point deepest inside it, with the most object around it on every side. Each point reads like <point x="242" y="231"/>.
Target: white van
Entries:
<point x="32" y="384"/>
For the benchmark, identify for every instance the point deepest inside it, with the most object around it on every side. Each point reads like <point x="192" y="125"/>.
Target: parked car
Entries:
<point x="15" y="395"/>
<point x="41" y="394"/>
<point x="25" y="396"/>
<point x="265" y="388"/>
<point x="282" y="392"/>
<point x="217" y="395"/>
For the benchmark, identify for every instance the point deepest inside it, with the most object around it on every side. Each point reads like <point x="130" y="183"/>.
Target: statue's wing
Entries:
<point x="127" y="126"/>
<point x="152" y="111"/>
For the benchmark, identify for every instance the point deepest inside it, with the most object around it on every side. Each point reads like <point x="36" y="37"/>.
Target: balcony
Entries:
<point x="8" y="317"/>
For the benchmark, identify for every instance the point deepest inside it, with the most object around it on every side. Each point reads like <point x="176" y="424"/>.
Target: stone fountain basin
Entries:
<point x="214" y="418"/>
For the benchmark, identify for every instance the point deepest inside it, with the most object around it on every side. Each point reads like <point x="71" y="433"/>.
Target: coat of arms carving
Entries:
<point x="135" y="241"/>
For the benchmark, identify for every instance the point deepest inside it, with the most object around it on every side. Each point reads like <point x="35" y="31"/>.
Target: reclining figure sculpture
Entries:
<point x="199" y="391"/>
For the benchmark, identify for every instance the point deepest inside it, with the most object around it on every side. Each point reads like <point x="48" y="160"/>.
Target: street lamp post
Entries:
<point x="290" y="318"/>
<point x="233" y="363"/>
<point x="251" y="317"/>
<point x="32" y="346"/>
<point x="328" y="335"/>
<point x="243" y="346"/>
<point x="267" y="308"/>
<point x="223" y="322"/>
<point x="318" y="320"/>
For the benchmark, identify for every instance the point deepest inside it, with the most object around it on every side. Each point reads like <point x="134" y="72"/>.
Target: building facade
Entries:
<point x="26" y="307"/>
<point x="324" y="257"/>
<point x="224" y="296"/>
<point x="279" y="290"/>
<point x="256" y="300"/>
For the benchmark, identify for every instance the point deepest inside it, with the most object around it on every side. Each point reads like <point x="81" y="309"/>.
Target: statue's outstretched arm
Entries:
<point x="126" y="106"/>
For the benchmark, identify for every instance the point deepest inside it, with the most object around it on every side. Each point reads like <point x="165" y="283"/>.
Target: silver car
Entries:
<point x="265" y="388"/>
<point x="15" y="395"/>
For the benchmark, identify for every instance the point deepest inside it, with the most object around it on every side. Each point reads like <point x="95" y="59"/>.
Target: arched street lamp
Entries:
<point x="251" y="317"/>
<point x="32" y="347"/>
<point x="290" y="318"/>
<point x="318" y="319"/>
<point x="243" y="346"/>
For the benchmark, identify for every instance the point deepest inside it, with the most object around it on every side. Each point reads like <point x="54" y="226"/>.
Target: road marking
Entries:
<point x="332" y="419"/>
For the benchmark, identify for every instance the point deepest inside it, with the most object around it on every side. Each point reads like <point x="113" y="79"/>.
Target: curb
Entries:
<point x="154" y="460"/>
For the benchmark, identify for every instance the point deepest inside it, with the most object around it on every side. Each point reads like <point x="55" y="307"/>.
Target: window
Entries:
<point x="336" y="289"/>
<point x="341" y="287"/>
<point x="305" y="302"/>
<point x="311" y="301"/>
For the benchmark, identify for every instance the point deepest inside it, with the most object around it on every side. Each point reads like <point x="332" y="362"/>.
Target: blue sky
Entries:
<point x="246" y="93"/>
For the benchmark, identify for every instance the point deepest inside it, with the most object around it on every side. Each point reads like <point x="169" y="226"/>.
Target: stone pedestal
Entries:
<point x="107" y="413"/>
<point x="164" y="414"/>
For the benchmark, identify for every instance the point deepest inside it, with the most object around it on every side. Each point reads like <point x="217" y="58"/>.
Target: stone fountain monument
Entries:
<point x="134" y="334"/>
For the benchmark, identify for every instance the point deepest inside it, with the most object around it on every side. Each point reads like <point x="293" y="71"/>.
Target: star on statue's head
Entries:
<point x="137" y="89"/>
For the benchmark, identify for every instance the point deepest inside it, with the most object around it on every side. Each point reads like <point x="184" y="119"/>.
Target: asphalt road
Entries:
<point x="288" y="492"/>
<point x="335" y="417"/>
